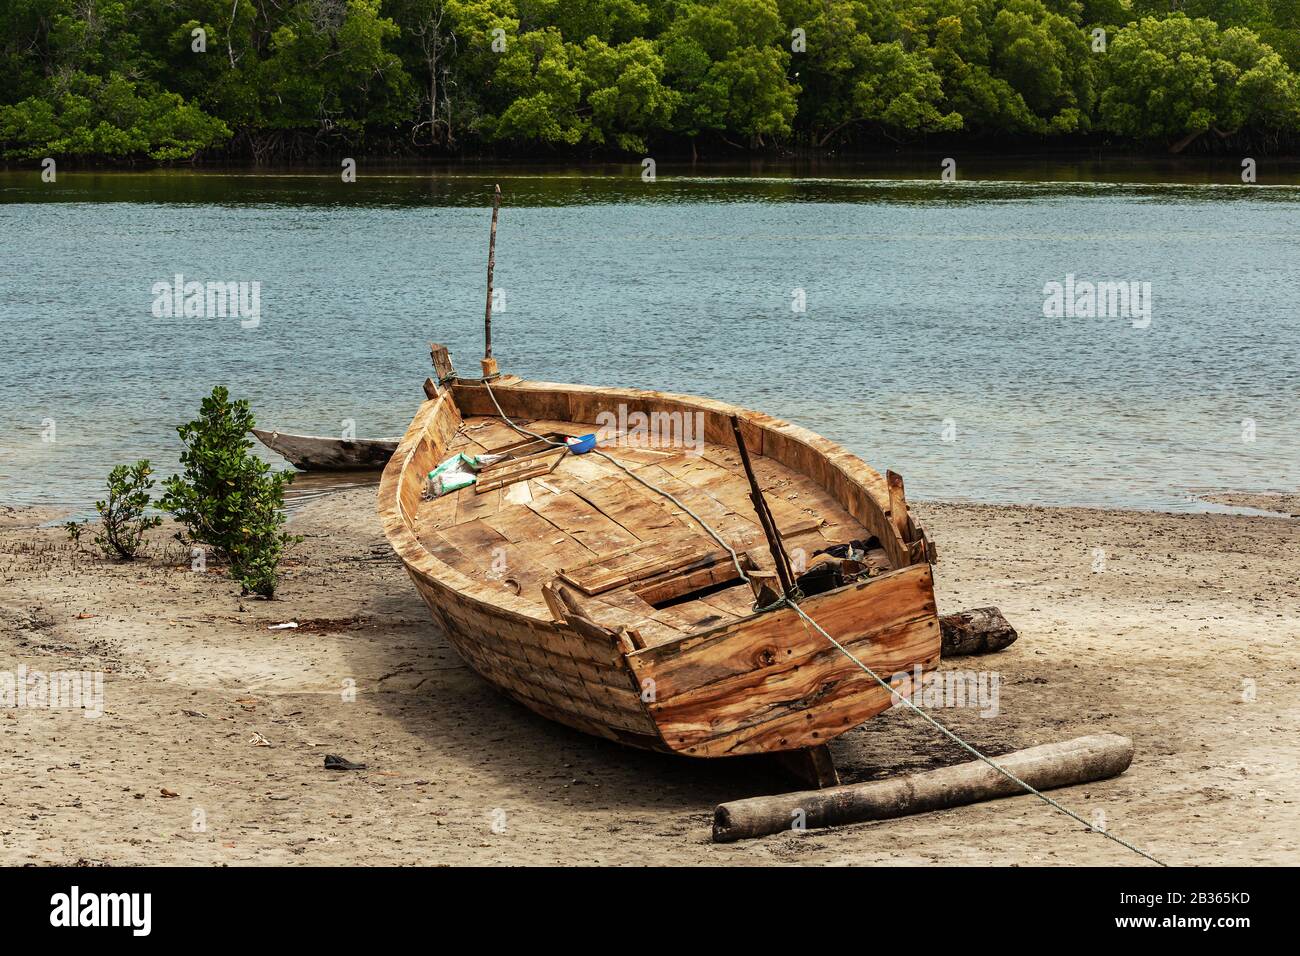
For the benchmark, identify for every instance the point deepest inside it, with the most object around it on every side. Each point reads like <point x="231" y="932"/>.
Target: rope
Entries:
<point x="957" y="740"/>
<point x="806" y="620"/>
<point x="735" y="558"/>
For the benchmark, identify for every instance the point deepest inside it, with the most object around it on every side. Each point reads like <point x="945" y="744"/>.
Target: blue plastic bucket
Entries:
<point x="582" y="444"/>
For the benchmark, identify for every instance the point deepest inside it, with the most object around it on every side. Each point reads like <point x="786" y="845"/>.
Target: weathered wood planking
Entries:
<point x="722" y="679"/>
<point x="491" y="433"/>
<point x="701" y="659"/>
<point x="643" y="561"/>
<point x="511" y="641"/>
<point x="740" y="531"/>
<point x="585" y="523"/>
<point x="542" y="541"/>
<point x="856" y="487"/>
<point x="638" y="509"/>
<point x="756" y="683"/>
<point x="472" y="505"/>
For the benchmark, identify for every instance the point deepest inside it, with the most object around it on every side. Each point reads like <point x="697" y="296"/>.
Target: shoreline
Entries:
<point x="1189" y="615"/>
<point x="1154" y="162"/>
<point x="1246" y="504"/>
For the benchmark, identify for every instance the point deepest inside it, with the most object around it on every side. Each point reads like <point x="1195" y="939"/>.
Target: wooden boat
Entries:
<point x="319" y="453"/>
<point x="599" y="603"/>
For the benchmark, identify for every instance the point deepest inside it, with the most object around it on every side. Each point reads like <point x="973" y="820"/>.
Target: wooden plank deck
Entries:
<point x="590" y="520"/>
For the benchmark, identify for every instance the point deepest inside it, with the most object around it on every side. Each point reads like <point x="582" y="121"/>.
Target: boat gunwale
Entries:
<point x="401" y="532"/>
<point x="276" y="433"/>
<point x="404" y="540"/>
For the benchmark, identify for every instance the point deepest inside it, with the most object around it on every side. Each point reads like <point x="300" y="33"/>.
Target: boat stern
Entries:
<point x="773" y="683"/>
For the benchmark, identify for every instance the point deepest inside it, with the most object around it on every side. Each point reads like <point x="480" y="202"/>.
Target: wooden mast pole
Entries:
<point x="779" y="557"/>
<point x="489" y="363"/>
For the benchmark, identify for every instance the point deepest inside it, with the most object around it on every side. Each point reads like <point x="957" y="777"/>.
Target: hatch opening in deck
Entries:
<point x="696" y="594"/>
<point x="692" y="583"/>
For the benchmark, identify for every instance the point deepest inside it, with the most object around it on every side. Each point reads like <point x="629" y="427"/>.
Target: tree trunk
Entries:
<point x="827" y="138"/>
<point x="433" y="103"/>
<point x="978" y="631"/>
<point x="1095" y="757"/>
<point x="1186" y="141"/>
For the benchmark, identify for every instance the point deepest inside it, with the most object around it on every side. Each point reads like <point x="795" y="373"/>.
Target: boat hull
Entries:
<point x="319" y="453"/>
<point x="762" y="684"/>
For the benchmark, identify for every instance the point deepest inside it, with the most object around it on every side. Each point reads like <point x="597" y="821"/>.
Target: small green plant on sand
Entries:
<point x="122" y="518"/>
<point x="228" y="498"/>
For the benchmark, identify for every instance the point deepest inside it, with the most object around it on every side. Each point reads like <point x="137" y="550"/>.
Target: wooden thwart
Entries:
<point x="1084" y="759"/>
<point x="519" y="469"/>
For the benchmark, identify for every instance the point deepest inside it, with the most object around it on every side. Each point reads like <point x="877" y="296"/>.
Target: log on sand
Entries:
<point x="1095" y="757"/>
<point x="978" y="631"/>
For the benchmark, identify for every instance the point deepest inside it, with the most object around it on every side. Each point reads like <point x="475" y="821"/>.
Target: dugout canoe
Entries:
<point x="597" y="603"/>
<point x="323" y="453"/>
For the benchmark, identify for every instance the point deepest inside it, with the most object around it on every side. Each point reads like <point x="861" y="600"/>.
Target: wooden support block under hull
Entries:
<point x="813" y="766"/>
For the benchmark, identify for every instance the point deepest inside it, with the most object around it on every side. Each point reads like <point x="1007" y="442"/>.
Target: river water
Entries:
<point x="895" y="313"/>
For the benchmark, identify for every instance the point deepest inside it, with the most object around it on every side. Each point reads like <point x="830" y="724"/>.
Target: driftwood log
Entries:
<point x="1095" y="757"/>
<point x="978" y="631"/>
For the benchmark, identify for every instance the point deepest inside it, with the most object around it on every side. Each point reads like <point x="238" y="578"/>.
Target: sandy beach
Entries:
<point x="1180" y="631"/>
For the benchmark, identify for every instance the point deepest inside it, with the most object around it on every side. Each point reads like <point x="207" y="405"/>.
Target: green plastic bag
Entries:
<point x="457" y="472"/>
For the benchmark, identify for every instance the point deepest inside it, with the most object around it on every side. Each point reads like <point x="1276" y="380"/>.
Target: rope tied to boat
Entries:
<point x="806" y="620"/>
<point x="735" y="558"/>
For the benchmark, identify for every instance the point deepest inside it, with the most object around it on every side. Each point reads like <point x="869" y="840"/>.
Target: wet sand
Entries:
<point x="1280" y="502"/>
<point x="1181" y="631"/>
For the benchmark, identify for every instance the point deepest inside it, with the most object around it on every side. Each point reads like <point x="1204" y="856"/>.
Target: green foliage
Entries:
<point x="1177" y="78"/>
<point x="106" y="116"/>
<point x="542" y="90"/>
<point x="122" y="518"/>
<point x="731" y="61"/>
<point x="228" y="498"/>
<point x="624" y="87"/>
<point x="859" y="69"/>
<point x="1045" y="58"/>
<point x="128" y="80"/>
<point x="329" y="66"/>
